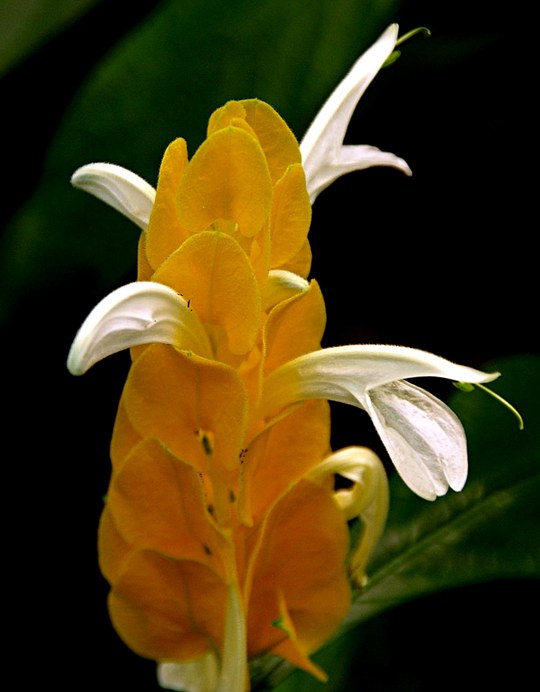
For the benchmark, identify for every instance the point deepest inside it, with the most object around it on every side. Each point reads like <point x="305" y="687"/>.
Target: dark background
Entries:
<point x="444" y="261"/>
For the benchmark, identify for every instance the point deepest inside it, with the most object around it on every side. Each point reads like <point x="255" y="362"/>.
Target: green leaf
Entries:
<point x="488" y="531"/>
<point x="27" y="24"/>
<point x="163" y="81"/>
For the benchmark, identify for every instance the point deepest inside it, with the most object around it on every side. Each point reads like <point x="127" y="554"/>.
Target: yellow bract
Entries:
<point x="213" y="272"/>
<point x="290" y="217"/>
<point x="228" y="178"/>
<point x="205" y="496"/>
<point x="165" y="233"/>
<point x="298" y="576"/>
<point x="273" y="134"/>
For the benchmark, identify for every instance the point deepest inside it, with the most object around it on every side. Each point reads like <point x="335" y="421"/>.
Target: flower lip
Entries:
<point x="423" y="437"/>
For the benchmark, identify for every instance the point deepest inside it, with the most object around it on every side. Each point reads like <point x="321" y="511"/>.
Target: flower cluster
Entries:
<point x="222" y="536"/>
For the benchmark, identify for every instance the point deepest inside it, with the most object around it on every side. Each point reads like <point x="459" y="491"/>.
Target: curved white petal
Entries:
<point x="366" y="499"/>
<point x="346" y="373"/>
<point x="323" y="156"/>
<point x="142" y="312"/>
<point x="280" y="285"/>
<point x="119" y="187"/>
<point x="423" y="437"/>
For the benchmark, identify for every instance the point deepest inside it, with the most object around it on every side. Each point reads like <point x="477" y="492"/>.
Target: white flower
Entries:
<point x="424" y="438"/>
<point x="324" y="156"/>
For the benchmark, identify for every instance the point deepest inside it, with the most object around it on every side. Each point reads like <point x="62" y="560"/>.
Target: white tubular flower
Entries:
<point x="120" y="188"/>
<point x="424" y="438"/>
<point x="324" y="156"/>
<point x="142" y="312"/>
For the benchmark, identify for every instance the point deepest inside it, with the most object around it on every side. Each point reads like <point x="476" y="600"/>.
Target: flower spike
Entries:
<point x="223" y="536"/>
<point x="324" y="156"/>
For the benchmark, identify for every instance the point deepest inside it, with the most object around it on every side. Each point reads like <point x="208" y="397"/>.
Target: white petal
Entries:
<point x="423" y="437"/>
<point x="139" y="313"/>
<point x="323" y="157"/>
<point x="366" y="499"/>
<point x="280" y="285"/>
<point x="200" y="675"/>
<point x="120" y="188"/>
<point x="356" y="157"/>
<point x="346" y="373"/>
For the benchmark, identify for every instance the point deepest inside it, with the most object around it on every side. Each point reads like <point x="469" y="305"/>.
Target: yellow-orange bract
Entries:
<point x="205" y="495"/>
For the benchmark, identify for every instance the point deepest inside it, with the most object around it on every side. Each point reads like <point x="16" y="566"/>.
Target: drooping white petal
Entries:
<point x="141" y="312"/>
<point x="323" y="155"/>
<point x="119" y="187"/>
<point x="346" y="373"/>
<point x="423" y="437"/>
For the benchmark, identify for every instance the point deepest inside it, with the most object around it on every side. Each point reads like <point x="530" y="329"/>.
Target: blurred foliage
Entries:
<point x="27" y="24"/>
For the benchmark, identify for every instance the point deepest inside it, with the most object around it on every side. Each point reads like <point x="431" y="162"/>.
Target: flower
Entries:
<point x="423" y="437"/>
<point x="222" y="536"/>
<point x="324" y="156"/>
